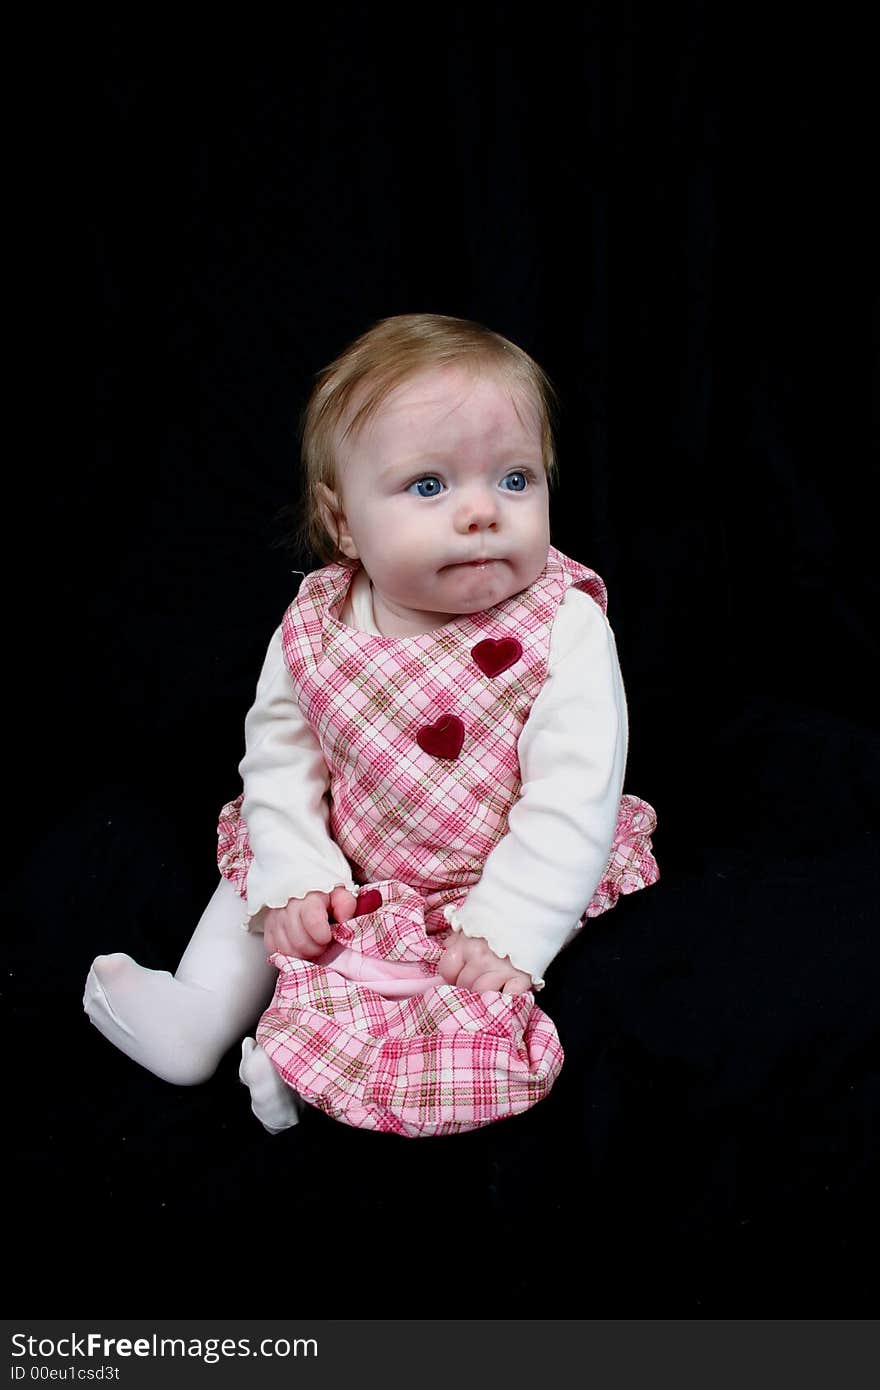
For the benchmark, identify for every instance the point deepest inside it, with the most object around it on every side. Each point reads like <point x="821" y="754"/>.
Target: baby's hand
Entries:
<point x="469" y="963"/>
<point x="302" y="927"/>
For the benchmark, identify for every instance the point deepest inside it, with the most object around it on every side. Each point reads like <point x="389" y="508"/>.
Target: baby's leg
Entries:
<point x="180" y="1026"/>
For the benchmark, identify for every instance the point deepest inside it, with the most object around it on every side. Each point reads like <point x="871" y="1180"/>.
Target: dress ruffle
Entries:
<point x="234" y="853"/>
<point x="631" y="864"/>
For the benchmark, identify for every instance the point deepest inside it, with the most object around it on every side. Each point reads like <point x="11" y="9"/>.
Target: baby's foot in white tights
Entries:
<point x="273" y="1102"/>
<point x="162" y="1023"/>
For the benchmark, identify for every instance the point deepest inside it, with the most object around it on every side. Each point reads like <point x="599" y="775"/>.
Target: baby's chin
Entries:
<point x="468" y="588"/>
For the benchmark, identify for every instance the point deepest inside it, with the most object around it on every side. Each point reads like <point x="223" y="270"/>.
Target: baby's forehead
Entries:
<point x="380" y="405"/>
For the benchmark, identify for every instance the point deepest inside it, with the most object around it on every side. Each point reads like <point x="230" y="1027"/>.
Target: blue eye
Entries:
<point x="521" y="481"/>
<point x="430" y="482"/>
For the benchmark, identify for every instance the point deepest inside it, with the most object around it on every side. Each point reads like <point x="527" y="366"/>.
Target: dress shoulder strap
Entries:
<point x="303" y="622"/>
<point x="579" y="576"/>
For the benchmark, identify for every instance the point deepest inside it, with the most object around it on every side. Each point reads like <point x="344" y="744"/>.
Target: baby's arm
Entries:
<point x="285" y="809"/>
<point x="540" y="877"/>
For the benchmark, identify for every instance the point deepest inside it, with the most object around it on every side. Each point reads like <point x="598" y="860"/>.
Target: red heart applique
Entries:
<point x="367" y="901"/>
<point x="496" y="654"/>
<point x="443" y="738"/>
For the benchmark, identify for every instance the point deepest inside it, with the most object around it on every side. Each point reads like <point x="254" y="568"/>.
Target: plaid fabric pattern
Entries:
<point x="419" y="825"/>
<point x="442" y="1061"/>
<point x="397" y="811"/>
<point x="631" y="865"/>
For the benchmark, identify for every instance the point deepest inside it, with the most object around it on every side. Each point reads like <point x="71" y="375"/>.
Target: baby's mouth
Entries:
<point x="472" y="564"/>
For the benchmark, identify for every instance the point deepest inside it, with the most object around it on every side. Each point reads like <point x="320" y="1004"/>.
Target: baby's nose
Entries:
<point x="478" y="512"/>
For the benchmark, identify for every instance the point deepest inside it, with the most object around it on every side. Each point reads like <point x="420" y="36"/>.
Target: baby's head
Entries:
<point x="428" y="446"/>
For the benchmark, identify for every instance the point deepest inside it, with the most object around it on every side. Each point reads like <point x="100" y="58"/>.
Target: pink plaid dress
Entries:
<point x="420" y="736"/>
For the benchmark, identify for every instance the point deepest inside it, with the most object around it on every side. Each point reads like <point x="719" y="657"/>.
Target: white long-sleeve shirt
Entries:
<point x="539" y="878"/>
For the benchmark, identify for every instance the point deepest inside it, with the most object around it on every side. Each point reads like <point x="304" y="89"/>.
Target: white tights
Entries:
<point x="179" y="1026"/>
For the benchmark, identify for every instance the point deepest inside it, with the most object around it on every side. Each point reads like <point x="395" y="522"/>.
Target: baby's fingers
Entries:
<point x="342" y="904"/>
<point x="450" y="964"/>
<point x="501" y="981"/>
<point x="519" y="983"/>
<point x="488" y="980"/>
<point x="314" y="921"/>
<point x="284" y="937"/>
<point x="278" y="937"/>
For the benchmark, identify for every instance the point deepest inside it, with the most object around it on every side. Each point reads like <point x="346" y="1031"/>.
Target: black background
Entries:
<point x="667" y="208"/>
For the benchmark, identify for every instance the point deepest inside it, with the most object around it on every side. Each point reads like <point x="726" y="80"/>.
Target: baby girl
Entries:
<point x="433" y="774"/>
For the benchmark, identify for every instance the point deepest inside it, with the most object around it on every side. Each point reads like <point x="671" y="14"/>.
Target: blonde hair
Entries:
<point x="375" y="365"/>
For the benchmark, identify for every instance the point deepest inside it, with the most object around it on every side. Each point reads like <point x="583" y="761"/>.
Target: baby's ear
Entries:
<point x="333" y="517"/>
